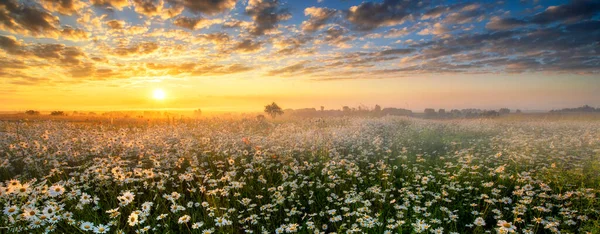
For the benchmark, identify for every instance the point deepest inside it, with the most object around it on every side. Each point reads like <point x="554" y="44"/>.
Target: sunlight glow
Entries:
<point x="159" y="94"/>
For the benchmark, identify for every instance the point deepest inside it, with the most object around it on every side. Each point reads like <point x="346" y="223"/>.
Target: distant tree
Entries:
<point x="32" y="112"/>
<point x="198" y="112"/>
<point x="396" y="111"/>
<point x="92" y="113"/>
<point x="430" y="112"/>
<point x="504" y="111"/>
<point x="455" y="113"/>
<point x="518" y="111"/>
<point x="273" y="110"/>
<point x="584" y="108"/>
<point x="322" y="108"/>
<point x="346" y="109"/>
<point x="260" y="117"/>
<point x="377" y="109"/>
<point x="57" y="113"/>
<point x="490" y="113"/>
<point x="442" y="112"/>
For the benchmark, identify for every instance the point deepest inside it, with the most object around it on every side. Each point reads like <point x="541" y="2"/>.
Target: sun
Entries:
<point x="159" y="94"/>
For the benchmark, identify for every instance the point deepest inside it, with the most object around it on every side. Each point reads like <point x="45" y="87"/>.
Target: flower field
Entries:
<point x="337" y="175"/>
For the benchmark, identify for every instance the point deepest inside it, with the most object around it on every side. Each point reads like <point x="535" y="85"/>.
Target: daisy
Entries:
<point x="184" y="219"/>
<point x="11" y="210"/>
<point x="506" y="226"/>
<point x="101" y="228"/>
<point x="197" y="225"/>
<point x="86" y="226"/>
<point x="133" y="219"/>
<point x="126" y="198"/>
<point x="56" y="190"/>
<point x="220" y="221"/>
<point x="161" y="216"/>
<point x="479" y="222"/>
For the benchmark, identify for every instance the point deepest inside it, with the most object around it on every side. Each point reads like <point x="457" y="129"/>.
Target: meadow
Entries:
<point x="332" y="175"/>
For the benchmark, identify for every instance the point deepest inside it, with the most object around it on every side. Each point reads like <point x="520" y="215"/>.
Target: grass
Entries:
<point x="341" y="175"/>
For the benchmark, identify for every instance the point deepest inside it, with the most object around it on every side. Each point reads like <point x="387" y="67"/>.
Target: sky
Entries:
<point x="228" y="55"/>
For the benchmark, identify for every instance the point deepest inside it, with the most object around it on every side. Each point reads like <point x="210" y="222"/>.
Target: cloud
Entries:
<point x="194" y="23"/>
<point x="435" y="12"/>
<point x="207" y="7"/>
<point x="289" y="69"/>
<point x="370" y="15"/>
<point x="142" y="48"/>
<point x="586" y="26"/>
<point x="437" y="29"/>
<point x="110" y="5"/>
<point x="247" y="46"/>
<point x="395" y="51"/>
<point x="151" y="8"/>
<point x="225" y="70"/>
<point x="497" y="23"/>
<point x="89" y="71"/>
<point x="292" y="45"/>
<point x="266" y="14"/>
<point x="318" y="18"/>
<point x="233" y="23"/>
<point x="31" y="20"/>
<point x="35" y="45"/>
<point x="467" y="14"/>
<point x="296" y="69"/>
<point x="74" y="34"/>
<point x="395" y="32"/>
<point x="575" y="10"/>
<point x="197" y="69"/>
<point x="58" y="54"/>
<point x="10" y="64"/>
<point x="215" y="38"/>
<point x="337" y="36"/>
<point x="10" y="45"/>
<point x="27" y="19"/>
<point x="65" y="7"/>
<point x="115" y="24"/>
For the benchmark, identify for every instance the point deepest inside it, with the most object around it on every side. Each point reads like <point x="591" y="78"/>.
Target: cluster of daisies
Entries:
<point x="338" y="175"/>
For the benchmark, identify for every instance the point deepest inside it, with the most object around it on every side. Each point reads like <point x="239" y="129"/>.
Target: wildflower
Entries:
<point x="126" y="198"/>
<point x="86" y="226"/>
<point x="11" y="210"/>
<point x="161" y="216"/>
<point x="479" y="222"/>
<point x="439" y="230"/>
<point x="291" y="228"/>
<point x="56" y="190"/>
<point x="24" y="189"/>
<point x="197" y="225"/>
<point x="184" y="219"/>
<point x="506" y="226"/>
<point x="133" y="219"/>
<point x="147" y="206"/>
<point x="221" y="221"/>
<point x="30" y="213"/>
<point x="101" y="228"/>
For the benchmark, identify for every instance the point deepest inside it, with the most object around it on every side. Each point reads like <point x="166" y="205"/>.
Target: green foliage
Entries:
<point x="349" y="174"/>
<point x="273" y="110"/>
